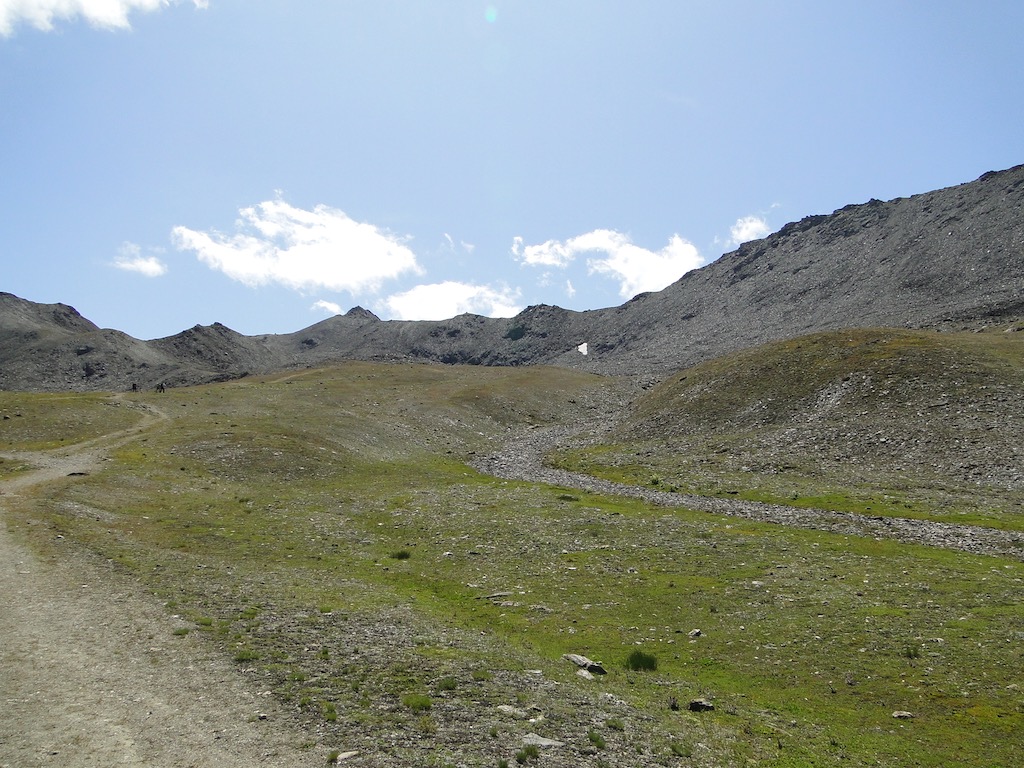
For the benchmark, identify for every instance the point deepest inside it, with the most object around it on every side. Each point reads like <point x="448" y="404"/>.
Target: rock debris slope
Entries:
<point x="951" y="258"/>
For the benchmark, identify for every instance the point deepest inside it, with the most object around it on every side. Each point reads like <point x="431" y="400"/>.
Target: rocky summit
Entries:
<point x="948" y="259"/>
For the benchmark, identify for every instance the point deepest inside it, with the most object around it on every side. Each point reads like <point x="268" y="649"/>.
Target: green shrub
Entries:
<point x="402" y="554"/>
<point x="639" y="661"/>
<point x="596" y="739"/>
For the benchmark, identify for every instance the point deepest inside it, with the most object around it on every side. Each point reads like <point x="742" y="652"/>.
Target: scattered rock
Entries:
<point x="496" y="595"/>
<point x="540" y="741"/>
<point x="508" y="709"/>
<point x="584" y="663"/>
<point x="903" y="715"/>
<point x="701" y="705"/>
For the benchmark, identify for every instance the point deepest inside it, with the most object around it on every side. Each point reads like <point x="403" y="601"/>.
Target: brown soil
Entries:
<point x="92" y="674"/>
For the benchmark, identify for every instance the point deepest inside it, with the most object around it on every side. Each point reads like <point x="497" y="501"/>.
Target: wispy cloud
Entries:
<point x="748" y="228"/>
<point x="129" y="258"/>
<point x="322" y="248"/>
<point x="440" y="301"/>
<point x="636" y="269"/>
<point x="463" y="245"/>
<point x="326" y="306"/>
<point x="107" y="14"/>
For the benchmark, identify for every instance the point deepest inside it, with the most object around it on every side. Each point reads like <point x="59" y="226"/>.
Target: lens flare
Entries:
<point x="491" y="14"/>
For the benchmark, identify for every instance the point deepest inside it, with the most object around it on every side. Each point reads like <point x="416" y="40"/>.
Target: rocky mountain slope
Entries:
<point x="952" y="258"/>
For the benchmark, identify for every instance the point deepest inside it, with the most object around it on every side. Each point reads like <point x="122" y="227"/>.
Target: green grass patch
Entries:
<point x="39" y="422"/>
<point x="417" y="702"/>
<point x="262" y="503"/>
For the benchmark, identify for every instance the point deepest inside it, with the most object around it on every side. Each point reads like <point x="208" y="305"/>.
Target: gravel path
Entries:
<point x="92" y="674"/>
<point x="523" y="459"/>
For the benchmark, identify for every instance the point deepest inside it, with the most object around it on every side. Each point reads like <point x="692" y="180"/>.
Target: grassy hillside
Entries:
<point x="884" y="422"/>
<point x="326" y="531"/>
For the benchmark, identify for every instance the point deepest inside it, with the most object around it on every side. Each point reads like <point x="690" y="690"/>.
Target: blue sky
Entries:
<point x="268" y="163"/>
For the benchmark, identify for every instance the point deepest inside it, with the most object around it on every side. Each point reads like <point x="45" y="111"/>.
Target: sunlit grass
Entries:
<point x="264" y="502"/>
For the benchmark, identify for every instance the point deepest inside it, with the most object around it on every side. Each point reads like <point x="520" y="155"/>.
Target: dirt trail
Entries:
<point x="91" y="673"/>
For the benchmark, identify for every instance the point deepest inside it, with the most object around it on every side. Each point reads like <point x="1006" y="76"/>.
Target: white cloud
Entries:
<point x="636" y="269"/>
<point x="326" y="306"/>
<point x="748" y="228"/>
<point x="322" y="248"/>
<point x="129" y="258"/>
<point x="107" y="14"/>
<point x="450" y="241"/>
<point x="440" y="301"/>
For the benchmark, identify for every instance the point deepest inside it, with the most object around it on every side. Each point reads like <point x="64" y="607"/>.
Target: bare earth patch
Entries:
<point x="92" y="673"/>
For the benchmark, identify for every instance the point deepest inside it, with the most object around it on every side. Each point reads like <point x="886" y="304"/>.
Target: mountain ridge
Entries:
<point x="949" y="258"/>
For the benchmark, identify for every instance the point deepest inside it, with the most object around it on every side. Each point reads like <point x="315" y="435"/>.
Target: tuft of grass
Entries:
<point x="244" y="655"/>
<point x="680" y="750"/>
<point x="529" y="752"/>
<point x="615" y="723"/>
<point x="641" y="661"/>
<point x="417" y="702"/>
<point x="401" y="554"/>
<point x="596" y="739"/>
<point x="447" y="684"/>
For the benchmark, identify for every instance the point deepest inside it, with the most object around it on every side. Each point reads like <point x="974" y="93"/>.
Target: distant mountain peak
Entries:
<point x="948" y="260"/>
<point x="358" y="313"/>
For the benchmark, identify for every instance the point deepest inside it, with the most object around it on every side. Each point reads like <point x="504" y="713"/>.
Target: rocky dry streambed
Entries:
<point x="523" y="458"/>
